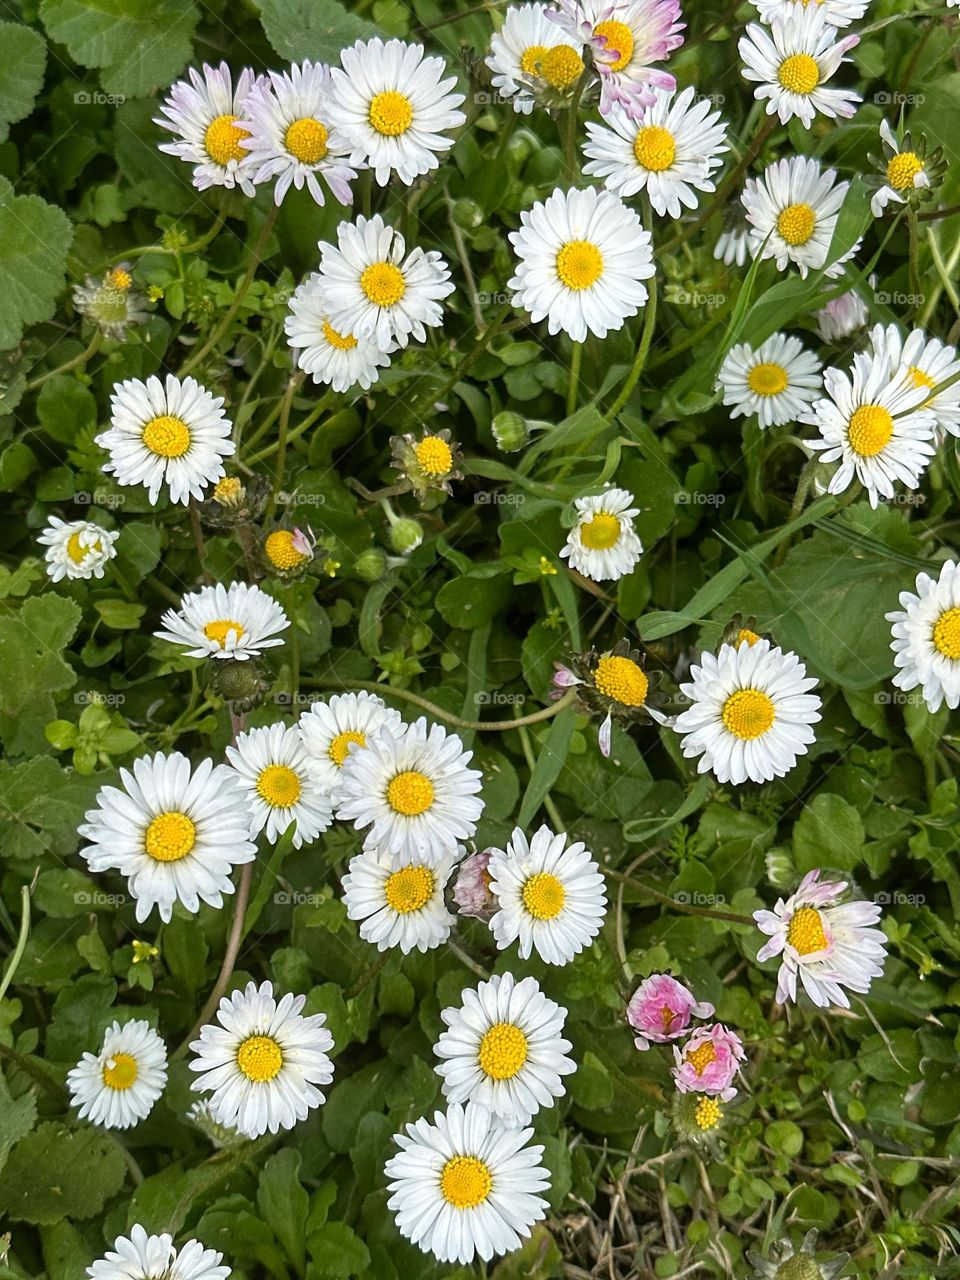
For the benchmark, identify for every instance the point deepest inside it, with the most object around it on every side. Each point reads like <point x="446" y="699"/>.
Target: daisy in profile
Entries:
<point x="175" y="832"/>
<point x="340" y="360"/>
<point x="551" y="896"/>
<point x="828" y="945"/>
<point x="583" y="256"/>
<point x="394" y="107"/>
<point x="793" y="209"/>
<point x="661" y="1008"/>
<point x="733" y="243"/>
<point x="76" y="548"/>
<point x="204" y="115"/>
<point x="118" y="1086"/>
<point x="777" y="382"/>
<point x="238" y="622"/>
<point x="399" y="903"/>
<point x="376" y="290"/>
<point x="412" y="792"/>
<point x="875" y="426"/>
<point x="839" y="13"/>
<point x="603" y="545"/>
<point x="750" y="713"/>
<point x="262" y="1061"/>
<point x="532" y="59"/>
<point x="926" y="638"/>
<point x="923" y="362"/>
<point x="792" y="60"/>
<point x="331" y="730"/>
<point x="906" y="169"/>
<point x="169" y="433"/>
<point x="842" y="316"/>
<point x="290" y="139"/>
<point x="671" y="152"/>
<point x="709" y="1062"/>
<point x="142" y="1257"/>
<point x="273" y="770"/>
<point x="466" y="1185"/>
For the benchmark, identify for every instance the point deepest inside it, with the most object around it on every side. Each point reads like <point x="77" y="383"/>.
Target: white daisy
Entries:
<point x="413" y="792"/>
<point x="466" y="1185"/>
<point x="204" y="114"/>
<point x="924" y="362"/>
<point x="603" y="545"/>
<point x="906" y="172"/>
<point x="142" y="1257"/>
<point x="530" y="55"/>
<point x="793" y="209"/>
<point x="551" y="896"/>
<point x="273" y="769"/>
<point x="583" y="255"/>
<point x="118" y="1086"/>
<point x="76" y="548"/>
<point x="238" y="621"/>
<point x="750" y="713"/>
<point x="839" y="13"/>
<point x="926" y="638"/>
<point x="842" y="316"/>
<point x="333" y="729"/>
<point x="175" y="832"/>
<point x="166" y="433"/>
<point x="340" y="360"/>
<point x="776" y="382"/>
<point x="504" y="1048"/>
<point x="671" y="152"/>
<point x="399" y="901"/>
<point x="264" y="1061"/>
<point x="829" y="946"/>
<point x="733" y="246"/>
<point x="792" y="60"/>
<point x="875" y="426"/>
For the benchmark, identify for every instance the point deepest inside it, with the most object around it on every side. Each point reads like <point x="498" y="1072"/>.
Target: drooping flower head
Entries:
<point x="471" y="891"/>
<point x="614" y="684"/>
<point x="661" y="1009"/>
<point x="112" y="302"/>
<point x="709" y="1062"/>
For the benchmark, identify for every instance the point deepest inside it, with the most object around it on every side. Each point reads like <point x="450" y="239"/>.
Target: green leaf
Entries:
<point x="468" y="603"/>
<point x="32" y="642"/>
<point x="284" y="1203"/>
<point x="17" y="1116"/>
<point x="315" y="29"/>
<point x="828" y="833"/>
<point x="336" y="1252"/>
<point x="21" y="72"/>
<point x="34" y="241"/>
<point x="550" y="761"/>
<point x="55" y="1173"/>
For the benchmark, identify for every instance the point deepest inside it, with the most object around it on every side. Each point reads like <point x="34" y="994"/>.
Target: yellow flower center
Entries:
<point x="119" y="278"/>
<point x="279" y="785"/>
<point x="281" y="552"/>
<point x="622" y="680"/>
<point x="745" y="634"/>
<point x="434" y="455"/>
<point x="767" y="379"/>
<point x="579" y="264"/>
<point x="903" y="169"/>
<point x="701" y="1057"/>
<point x="228" y="491"/>
<point x="410" y="793"/>
<point x="544" y="896"/>
<point x="120" y="1071"/>
<point x="383" y="283"/>
<point x="339" y="341"/>
<point x="409" y="889"/>
<point x="921" y="379"/>
<point x="391" y="113"/>
<point x="748" y="714"/>
<point x="796" y="223"/>
<point x="619" y="39"/>
<point x="170" y="837"/>
<point x="531" y="58"/>
<point x="654" y="148"/>
<point x="600" y="533"/>
<point x="222" y="140"/>
<point x="561" y="67"/>
<point x="870" y="430"/>
<point x="306" y="140"/>
<point x="77" y="551"/>
<point x="799" y="73"/>
<point x="166" y="436"/>
<point x="503" y="1051"/>
<point x="339" y="748"/>
<point x="219" y="631"/>
<point x="260" y="1058"/>
<point x="667" y="1016"/>
<point x="465" y="1182"/>
<point x="946" y="634"/>
<point x="708" y="1113"/>
<point x="805" y="931"/>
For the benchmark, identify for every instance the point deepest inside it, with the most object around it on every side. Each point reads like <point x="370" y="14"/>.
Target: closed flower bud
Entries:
<point x="405" y="536"/>
<point x="510" y="431"/>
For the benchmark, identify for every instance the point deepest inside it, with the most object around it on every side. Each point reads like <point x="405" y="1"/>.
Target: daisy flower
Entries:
<point x="828" y="946"/>
<point x="661" y="1008"/>
<point x="466" y="1185"/>
<point x="671" y="152"/>
<point x="399" y="902"/>
<point x="112" y="302"/>
<point x="530" y="58"/>
<point x="842" y="316"/>
<point x="874" y="425"/>
<point x="926" y="638"/>
<point x="343" y="724"/>
<point x="166" y="433"/>
<point x="905" y="170"/>
<point x="602" y="545"/>
<point x="614" y="683"/>
<point x="118" y="1086"/>
<point x="264" y="1061"/>
<point x="709" y="1062"/>
<point x="733" y="244"/>
<point x="471" y="890"/>
<point x="374" y="289"/>
<point x="204" y="113"/>
<point x="394" y="107"/>
<point x="340" y="360"/>
<point x="793" y="209"/>
<point x="792" y="61"/>
<point x="750" y="714"/>
<point x="76" y="548"/>
<point x="412" y="791"/>
<point x="238" y="621"/>
<point x="550" y="895"/>
<point x="839" y="13"/>
<point x="583" y="256"/>
<point x="924" y="362"/>
<point x="290" y="138"/>
<point x="273" y="770"/>
<point x="142" y="1257"/>
<point x="777" y="382"/>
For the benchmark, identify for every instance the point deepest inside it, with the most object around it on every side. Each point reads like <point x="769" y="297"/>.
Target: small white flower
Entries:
<point x="733" y="246"/>
<point x="793" y="209"/>
<point x="926" y="638"/>
<point x="603" y="545"/>
<point x="839" y="13"/>
<point x="142" y="1257"/>
<point x="776" y="382"/>
<point x="76" y="548"/>
<point x="399" y="903"/>
<point x="340" y="360"/>
<point x="905" y="173"/>
<point x="842" y="316"/>
<point x="925" y="363"/>
<point x="333" y="729"/>
<point x="204" y="114"/>
<point x="273" y="770"/>
<point x="238" y="621"/>
<point x="118" y="1086"/>
<point x="792" y="61"/>
<point x="530" y="55"/>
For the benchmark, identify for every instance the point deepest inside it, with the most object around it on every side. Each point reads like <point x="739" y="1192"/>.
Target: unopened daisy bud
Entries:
<point x="220" y="1135"/>
<point x="229" y="492"/>
<point x="472" y="892"/>
<point x="405" y="536"/>
<point x="370" y="565"/>
<point x="111" y="302"/>
<point x="288" y="551"/>
<point x="242" y="684"/>
<point x="696" y="1118"/>
<point x="510" y="431"/>
<point x="787" y="1263"/>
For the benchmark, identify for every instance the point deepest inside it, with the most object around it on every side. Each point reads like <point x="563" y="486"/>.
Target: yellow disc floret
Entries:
<point x="543" y="896"/>
<point x="796" y="223"/>
<point x="746" y="636"/>
<point x="281" y="551"/>
<point x="920" y="379"/>
<point x="654" y="148"/>
<point x="600" y="533"/>
<point x="120" y="1071"/>
<point x="228" y="491"/>
<point x="561" y="67"/>
<point x="946" y="634"/>
<point x="279" y="786"/>
<point x="768" y="379"/>
<point x="579" y="265"/>
<point x="383" y="283"/>
<point x="622" y="680"/>
<point x="870" y="430"/>
<point x="170" y="837"/>
<point x="167" y="436"/>
<point x="222" y="140"/>
<point x="799" y="73"/>
<point x="410" y="793"/>
<point x="902" y="170"/>
<point x="805" y="931"/>
<point x="531" y="58"/>
<point x="434" y="456"/>
<point x="219" y="631"/>
<point x="391" y="113"/>
<point x="339" y="748"/>
<point x="260" y="1058"/>
<point x="701" y="1057"/>
<point x="118" y="278"/>
<point x="619" y="40"/>
<point x="77" y="551"/>
<point x="409" y="889"/>
<point x="708" y="1113"/>
<point x="306" y="140"/>
<point x="339" y="341"/>
<point x="465" y="1182"/>
<point x="748" y="714"/>
<point x="503" y="1051"/>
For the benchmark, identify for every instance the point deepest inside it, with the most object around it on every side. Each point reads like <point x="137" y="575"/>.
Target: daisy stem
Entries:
<point x="646" y="338"/>
<point x="281" y="463"/>
<point x="914" y="251"/>
<point x="440" y="713"/>
<point x="92" y="348"/>
<point x="687" y="908"/>
<point x="944" y="270"/>
<point x="570" y="130"/>
<point x="21" y="946"/>
<point x="198" y="541"/>
<point x="574" y="383"/>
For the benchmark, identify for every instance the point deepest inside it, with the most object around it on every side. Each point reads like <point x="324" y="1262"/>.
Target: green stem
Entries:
<point x="92" y="349"/>
<point x="440" y="713"/>
<point x="574" y="383"/>
<point x="646" y="338"/>
<point x="570" y="130"/>
<point x="14" y="961"/>
<point x="35" y="1072"/>
<point x="914" y="251"/>
<point x="193" y="247"/>
<point x="687" y="908"/>
<point x="281" y="463"/>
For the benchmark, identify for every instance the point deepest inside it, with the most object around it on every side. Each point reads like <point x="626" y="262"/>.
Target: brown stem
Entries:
<point x="440" y="713"/>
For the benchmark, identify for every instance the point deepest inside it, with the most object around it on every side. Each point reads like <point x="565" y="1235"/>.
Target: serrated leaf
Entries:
<point x="34" y="240"/>
<point x="55" y="1173"/>
<point x="21" y="72"/>
<point x="17" y="1116"/>
<point x="316" y="29"/>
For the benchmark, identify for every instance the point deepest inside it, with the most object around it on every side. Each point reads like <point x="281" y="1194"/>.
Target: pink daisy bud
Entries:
<point x="708" y="1062"/>
<point x="471" y="892"/>
<point x="661" y="1009"/>
<point x="564" y="678"/>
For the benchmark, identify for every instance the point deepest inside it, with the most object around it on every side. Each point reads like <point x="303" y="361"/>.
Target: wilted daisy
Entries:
<point x="204" y="114"/>
<point x="792" y="60"/>
<point x="169" y="433"/>
<point x="263" y="1062"/>
<point x="374" y="289"/>
<point x="532" y="59"/>
<point x="709" y="1062"/>
<point x="466" y="1185"/>
<point x="583" y="256"/>
<point x="906" y="169"/>
<point x="175" y="832"/>
<point x="394" y="108"/>
<point x="777" y="381"/>
<point x="842" y="316"/>
<point x="471" y="890"/>
<point x="291" y="140"/>
<point x="603" y="545"/>
<point x="787" y="1261"/>
<point x="551" y="896"/>
<point x="332" y="729"/>
<point x="827" y="945"/>
<point x="613" y="684"/>
<point x="238" y="622"/>
<point x="661" y="1008"/>
<point x="412" y="791"/>
<point x="429" y="465"/>
<point x="793" y="209"/>
<point x="923" y="362"/>
<point x="399" y="902"/>
<point x="340" y="360"/>
<point x="142" y="1257"/>
<point x="111" y="302"/>
<point x="273" y="769"/>
<point x="750" y="713"/>
<point x="287" y="553"/>
<point x="76" y="548"/>
<point x="926" y="637"/>
<point x="118" y="1086"/>
<point x="839" y="13"/>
